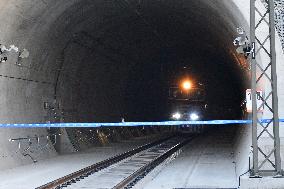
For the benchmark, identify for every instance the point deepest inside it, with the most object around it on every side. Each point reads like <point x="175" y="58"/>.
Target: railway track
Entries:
<point x="121" y="171"/>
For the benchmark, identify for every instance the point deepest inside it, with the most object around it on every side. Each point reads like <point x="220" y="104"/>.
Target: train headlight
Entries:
<point x="186" y="85"/>
<point x="176" y="116"/>
<point x="194" y="116"/>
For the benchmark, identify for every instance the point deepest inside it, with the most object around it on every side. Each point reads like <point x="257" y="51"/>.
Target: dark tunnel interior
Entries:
<point x="128" y="52"/>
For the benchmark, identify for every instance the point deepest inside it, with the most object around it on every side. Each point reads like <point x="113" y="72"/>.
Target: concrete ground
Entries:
<point x="206" y="162"/>
<point x="37" y="174"/>
<point x="261" y="183"/>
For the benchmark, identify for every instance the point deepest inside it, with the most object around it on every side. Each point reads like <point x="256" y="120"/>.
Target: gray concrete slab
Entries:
<point x="206" y="162"/>
<point x="261" y="183"/>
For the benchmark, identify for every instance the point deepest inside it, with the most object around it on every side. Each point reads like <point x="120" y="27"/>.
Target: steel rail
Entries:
<point x="131" y="180"/>
<point x="85" y="172"/>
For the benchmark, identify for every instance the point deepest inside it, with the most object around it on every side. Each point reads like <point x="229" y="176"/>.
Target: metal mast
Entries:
<point x="262" y="35"/>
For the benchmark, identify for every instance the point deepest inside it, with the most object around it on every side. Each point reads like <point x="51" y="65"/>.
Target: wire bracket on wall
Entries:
<point x="27" y="146"/>
<point x="266" y="162"/>
<point x="54" y="112"/>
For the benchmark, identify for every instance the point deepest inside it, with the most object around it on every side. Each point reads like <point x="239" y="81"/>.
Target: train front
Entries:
<point x="187" y="101"/>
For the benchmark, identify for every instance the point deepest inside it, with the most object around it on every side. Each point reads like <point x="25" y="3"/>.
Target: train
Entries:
<point x="187" y="101"/>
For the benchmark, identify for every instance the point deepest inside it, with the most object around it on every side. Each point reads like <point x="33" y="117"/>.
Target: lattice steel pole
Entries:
<point x="270" y="163"/>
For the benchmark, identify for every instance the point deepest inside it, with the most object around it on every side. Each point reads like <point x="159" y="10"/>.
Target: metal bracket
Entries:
<point x="28" y="141"/>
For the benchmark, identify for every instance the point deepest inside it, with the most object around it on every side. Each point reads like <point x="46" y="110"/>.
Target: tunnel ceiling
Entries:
<point x="116" y="57"/>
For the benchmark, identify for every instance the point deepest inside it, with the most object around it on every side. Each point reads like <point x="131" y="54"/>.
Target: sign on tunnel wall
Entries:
<point x="260" y="96"/>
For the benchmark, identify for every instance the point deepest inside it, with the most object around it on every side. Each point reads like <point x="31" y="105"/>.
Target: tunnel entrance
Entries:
<point x="117" y="60"/>
<point x="114" y="61"/>
<point x="74" y="61"/>
<point x="120" y="57"/>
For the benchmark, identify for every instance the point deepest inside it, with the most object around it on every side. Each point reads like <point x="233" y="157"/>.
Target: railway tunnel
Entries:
<point x="103" y="61"/>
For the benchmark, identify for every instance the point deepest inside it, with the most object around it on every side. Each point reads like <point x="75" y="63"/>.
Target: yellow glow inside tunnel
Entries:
<point x="186" y="85"/>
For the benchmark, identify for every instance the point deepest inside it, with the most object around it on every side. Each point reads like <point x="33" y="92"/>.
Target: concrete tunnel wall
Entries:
<point x="58" y="32"/>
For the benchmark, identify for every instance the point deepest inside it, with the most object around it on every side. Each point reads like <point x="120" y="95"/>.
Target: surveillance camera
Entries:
<point x="236" y="41"/>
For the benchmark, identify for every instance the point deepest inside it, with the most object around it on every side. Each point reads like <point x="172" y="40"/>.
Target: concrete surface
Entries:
<point x="37" y="174"/>
<point x="206" y="162"/>
<point x="263" y="183"/>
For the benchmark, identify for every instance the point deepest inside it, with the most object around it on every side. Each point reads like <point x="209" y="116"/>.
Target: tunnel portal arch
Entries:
<point x="76" y="45"/>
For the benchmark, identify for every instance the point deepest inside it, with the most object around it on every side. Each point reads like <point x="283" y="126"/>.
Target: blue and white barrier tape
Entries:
<point x="131" y="124"/>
